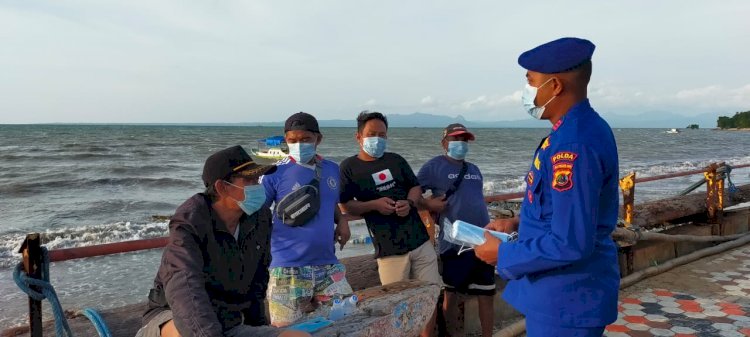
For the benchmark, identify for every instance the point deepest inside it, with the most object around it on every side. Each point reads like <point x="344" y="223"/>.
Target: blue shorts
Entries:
<point x="466" y="274"/>
<point x="539" y="328"/>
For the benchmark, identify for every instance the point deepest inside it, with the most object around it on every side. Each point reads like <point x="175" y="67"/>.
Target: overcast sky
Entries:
<point x="250" y="61"/>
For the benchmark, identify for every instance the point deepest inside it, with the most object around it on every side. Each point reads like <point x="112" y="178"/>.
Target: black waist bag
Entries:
<point x="298" y="207"/>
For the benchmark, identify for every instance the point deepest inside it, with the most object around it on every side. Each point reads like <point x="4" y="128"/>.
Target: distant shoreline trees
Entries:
<point x="740" y="120"/>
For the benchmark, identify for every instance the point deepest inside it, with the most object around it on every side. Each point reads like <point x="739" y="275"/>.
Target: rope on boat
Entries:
<point x="732" y="188"/>
<point x="47" y="291"/>
<point x="97" y="321"/>
<point x="725" y="170"/>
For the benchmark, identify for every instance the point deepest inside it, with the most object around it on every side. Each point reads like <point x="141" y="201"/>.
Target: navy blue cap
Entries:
<point x="558" y="56"/>
<point x="301" y="121"/>
<point x="233" y="160"/>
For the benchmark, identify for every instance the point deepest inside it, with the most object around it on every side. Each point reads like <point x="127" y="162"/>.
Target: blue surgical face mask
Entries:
<point x="528" y="97"/>
<point x="467" y="235"/>
<point x="302" y="152"/>
<point x="458" y="149"/>
<point x="255" y="197"/>
<point x="374" y="146"/>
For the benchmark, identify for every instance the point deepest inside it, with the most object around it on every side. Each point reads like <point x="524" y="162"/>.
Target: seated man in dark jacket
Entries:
<point x="214" y="272"/>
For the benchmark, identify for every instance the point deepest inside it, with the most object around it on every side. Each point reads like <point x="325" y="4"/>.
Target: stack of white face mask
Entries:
<point x="467" y="235"/>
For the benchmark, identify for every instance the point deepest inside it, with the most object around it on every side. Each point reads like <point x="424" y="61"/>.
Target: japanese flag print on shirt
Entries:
<point x="382" y="177"/>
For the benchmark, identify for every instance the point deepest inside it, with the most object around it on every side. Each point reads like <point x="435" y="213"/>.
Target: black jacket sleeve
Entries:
<point x="255" y="315"/>
<point x="184" y="284"/>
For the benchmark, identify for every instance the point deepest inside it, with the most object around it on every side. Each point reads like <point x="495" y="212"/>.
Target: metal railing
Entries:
<point x="714" y="176"/>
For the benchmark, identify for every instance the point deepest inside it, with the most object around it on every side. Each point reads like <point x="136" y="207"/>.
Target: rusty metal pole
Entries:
<point x="32" y="265"/>
<point x="712" y="197"/>
<point x="719" y="216"/>
<point x="627" y="185"/>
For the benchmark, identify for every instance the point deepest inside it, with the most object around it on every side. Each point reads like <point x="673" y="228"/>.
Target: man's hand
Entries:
<point x="487" y="251"/>
<point x="342" y="234"/>
<point x="509" y="225"/>
<point x="402" y="208"/>
<point x="436" y="204"/>
<point x="384" y="205"/>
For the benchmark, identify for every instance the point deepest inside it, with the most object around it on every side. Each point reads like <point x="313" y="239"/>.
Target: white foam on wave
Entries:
<point x="81" y="236"/>
<point x="674" y="167"/>
<point x="504" y="186"/>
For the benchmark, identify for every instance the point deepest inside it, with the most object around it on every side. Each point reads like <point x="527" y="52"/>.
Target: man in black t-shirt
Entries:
<point x="382" y="188"/>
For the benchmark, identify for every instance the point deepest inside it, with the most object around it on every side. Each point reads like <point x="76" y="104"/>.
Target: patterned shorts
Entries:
<point x="294" y="291"/>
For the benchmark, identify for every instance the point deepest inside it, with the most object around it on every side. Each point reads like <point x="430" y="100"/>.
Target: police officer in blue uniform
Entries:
<point x="563" y="271"/>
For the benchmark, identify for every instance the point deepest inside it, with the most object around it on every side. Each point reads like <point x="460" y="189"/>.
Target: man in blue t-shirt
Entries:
<point x="304" y="269"/>
<point x="457" y="195"/>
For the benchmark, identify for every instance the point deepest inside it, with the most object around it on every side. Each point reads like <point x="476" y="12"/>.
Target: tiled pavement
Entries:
<point x="718" y="304"/>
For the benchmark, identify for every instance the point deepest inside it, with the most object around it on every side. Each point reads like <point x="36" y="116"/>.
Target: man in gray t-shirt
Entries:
<point x="457" y="187"/>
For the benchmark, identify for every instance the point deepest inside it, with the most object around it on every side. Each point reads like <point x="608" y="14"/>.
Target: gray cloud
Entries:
<point x="246" y="61"/>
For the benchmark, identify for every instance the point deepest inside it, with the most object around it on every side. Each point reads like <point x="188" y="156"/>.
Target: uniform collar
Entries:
<point x="581" y="108"/>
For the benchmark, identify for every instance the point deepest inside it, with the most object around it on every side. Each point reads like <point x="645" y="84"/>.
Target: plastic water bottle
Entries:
<point x="337" y="310"/>
<point x="342" y="308"/>
<point x="350" y="305"/>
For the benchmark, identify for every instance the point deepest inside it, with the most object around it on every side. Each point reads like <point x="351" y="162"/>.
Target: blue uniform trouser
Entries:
<point x="539" y="328"/>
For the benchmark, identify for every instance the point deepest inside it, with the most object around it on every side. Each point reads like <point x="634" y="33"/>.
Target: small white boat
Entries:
<point x="673" y="131"/>
<point x="270" y="149"/>
<point x="269" y="154"/>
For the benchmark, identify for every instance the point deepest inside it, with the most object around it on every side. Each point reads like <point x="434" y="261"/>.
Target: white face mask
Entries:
<point x="528" y="97"/>
<point x="302" y="152"/>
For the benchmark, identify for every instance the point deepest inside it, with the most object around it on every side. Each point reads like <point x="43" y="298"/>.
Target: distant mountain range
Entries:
<point x="650" y="119"/>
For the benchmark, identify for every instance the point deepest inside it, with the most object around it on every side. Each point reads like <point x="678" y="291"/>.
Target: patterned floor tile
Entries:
<point x="663" y="312"/>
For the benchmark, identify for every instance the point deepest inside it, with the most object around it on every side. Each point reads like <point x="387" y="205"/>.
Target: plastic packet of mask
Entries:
<point x="467" y="235"/>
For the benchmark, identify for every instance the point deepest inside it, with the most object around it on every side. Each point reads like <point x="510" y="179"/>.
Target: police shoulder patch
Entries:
<point x="563" y="156"/>
<point x="562" y="176"/>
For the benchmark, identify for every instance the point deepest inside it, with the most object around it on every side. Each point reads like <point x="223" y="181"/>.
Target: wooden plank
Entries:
<point x="361" y="271"/>
<point x="655" y="213"/>
<point x="394" y="310"/>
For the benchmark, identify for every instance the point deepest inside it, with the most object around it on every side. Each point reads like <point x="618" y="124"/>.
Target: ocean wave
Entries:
<point x="81" y="236"/>
<point x="9" y="147"/>
<point x="508" y="185"/>
<point x="143" y="169"/>
<point x="79" y="156"/>
<point x="82" y="148"/>
<point x="61" y="156"/>
<point x="681" y="166"/>
<point x="27" y="187"/>
<point x="7" y="174"/>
